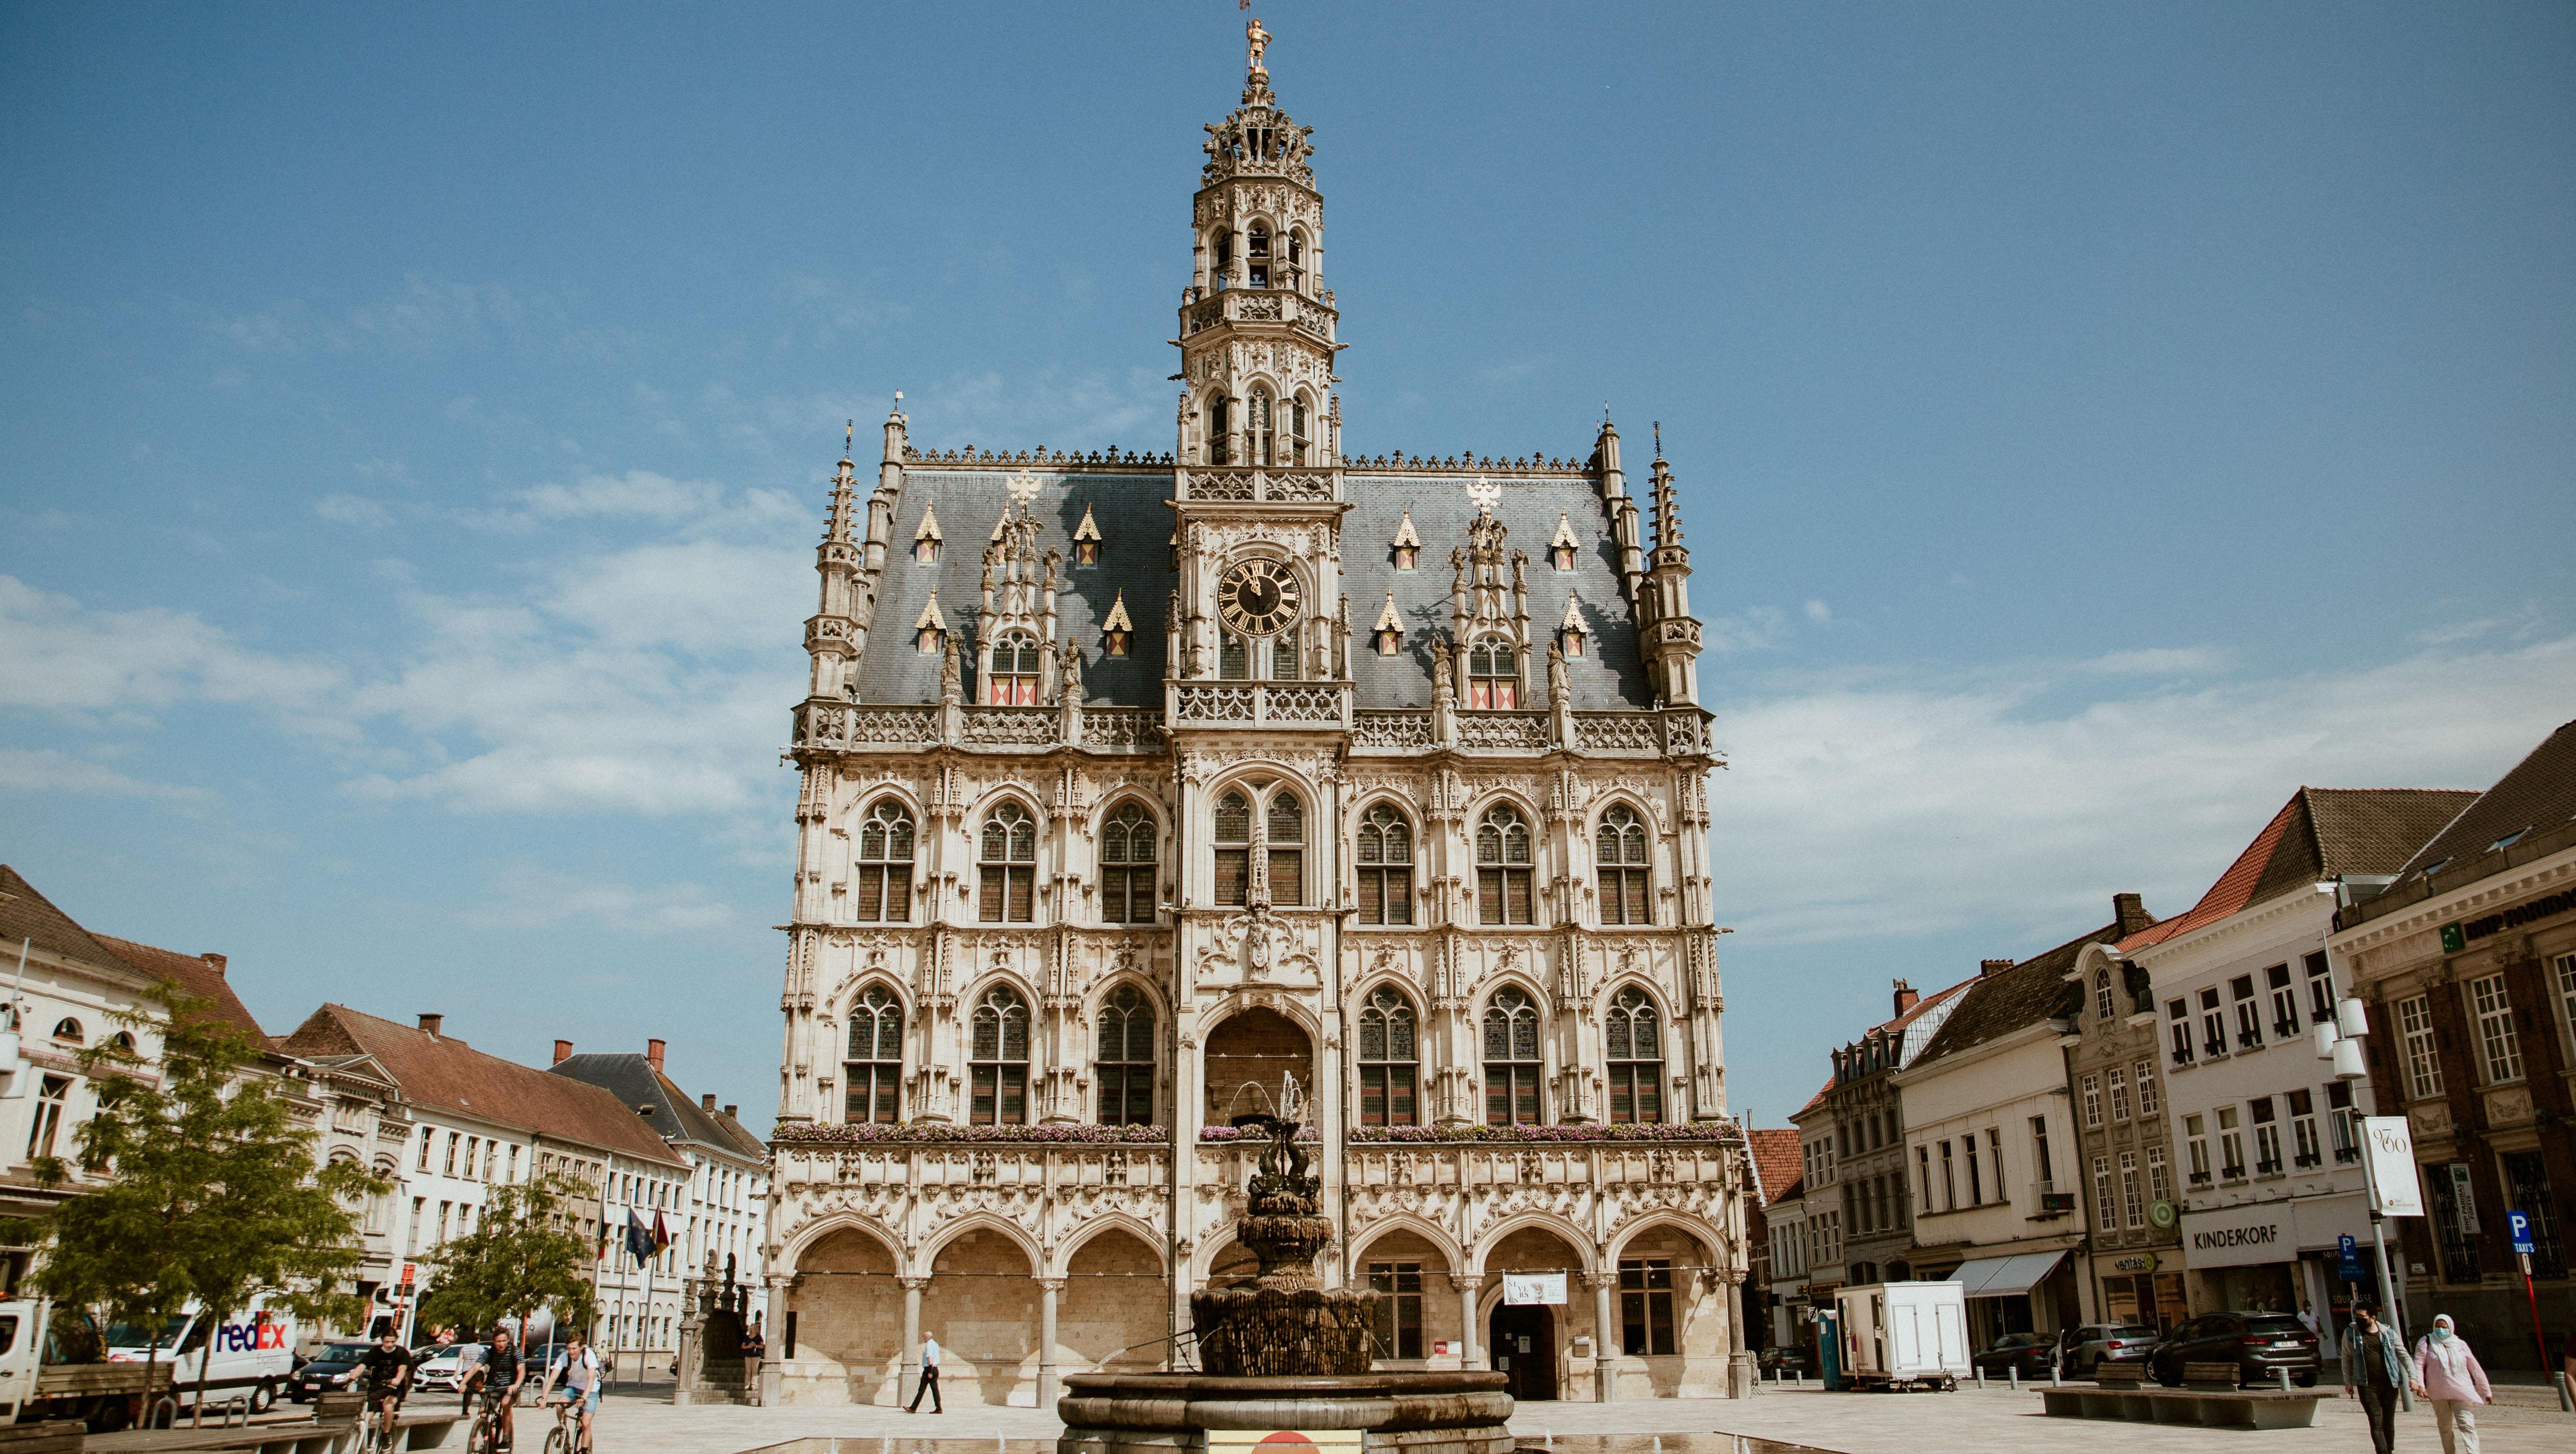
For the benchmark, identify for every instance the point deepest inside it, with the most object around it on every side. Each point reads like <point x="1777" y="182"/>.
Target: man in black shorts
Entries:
<point x="387" y="1372"/>
<point x="502" y="1372"/>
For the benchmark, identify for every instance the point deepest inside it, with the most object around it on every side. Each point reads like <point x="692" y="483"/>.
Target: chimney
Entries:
<point x="563" y="1051"/>
<point x="729" y="1112"/>
<point x="707" y="1102"/>
<point x="2131" y="912"/>
<point x="1987" y="967"/>
<point x="1905" y="997"/>
<point x="653" y="1055"/>
<point x="214" y="959"/>
<point x="429" y="1025"/>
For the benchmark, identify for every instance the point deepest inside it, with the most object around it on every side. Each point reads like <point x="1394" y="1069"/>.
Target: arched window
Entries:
<point x="2104" y="1008"/>
<point x="885" y="864"/>
<point x="1285" y="828"/>
<point x="124" y="1040"/>
<point x="998" y="1056"/>
<point x="1297" y="454"/>
<point x="1386" y="867"/>
<point x="873" y="1073"/>
<point x="1256" y="248"/>
<point x="1223" y="271"/>
<point x="1511" y="1060"/>
<point x="1127" y="866"/>
<point x="1008" y="867"/>
<point x="1636" y="1059"/>
<point x="1014" y="677"/>
<point x="1503" y="867"/>
<point x="1493" y="674"/>
<point x="1390" y="1070"/>
<point x="1258" y="445"/>
<point x="1296" y="259"/>
<point x="1220" y="438"/>
<point x="1233" y="849"/>
<point x="69" y="1031"/>
<point x="1126" y="1064"/>
<point x="1627" y="873"/>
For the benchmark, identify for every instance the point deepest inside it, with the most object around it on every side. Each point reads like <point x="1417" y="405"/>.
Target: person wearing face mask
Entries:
<point x="2447" y="1373"/>
<point x="2374" y="1366"/>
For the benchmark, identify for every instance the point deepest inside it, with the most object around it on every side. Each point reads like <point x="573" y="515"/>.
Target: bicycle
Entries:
<point x="566" y="1436"/>
<point x="379" y="1423"/>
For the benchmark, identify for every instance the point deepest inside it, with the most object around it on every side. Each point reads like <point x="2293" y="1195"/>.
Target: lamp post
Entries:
<point x="2339" y="1040"/>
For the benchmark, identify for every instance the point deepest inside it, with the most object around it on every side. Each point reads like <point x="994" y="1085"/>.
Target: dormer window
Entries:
<point x="1014" y="676"/>
<point x="925" y="541"/>
<point x="929" y="627"/>
<point x="1571" y="631"/>
<point x="1389" y="630"/>
<point x="1117" y="631"/>
<point x="1561" y="546"/>
<point x="1086" y="540"/>
<point x="1407" y="545"/>
<point x="1493" y="675"/>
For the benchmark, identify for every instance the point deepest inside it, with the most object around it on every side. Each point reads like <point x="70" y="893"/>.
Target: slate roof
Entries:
<point x="1132" y="510"/>
<point x="2033" y="990"/>
<point x="2319" y="832"/>
<point x="632" y="1079"/>
<point x="1777" y="1163"/>
<point x="2538" y="794"/>
<point x="201" y="975"/>
<point x="441" y="1070"/>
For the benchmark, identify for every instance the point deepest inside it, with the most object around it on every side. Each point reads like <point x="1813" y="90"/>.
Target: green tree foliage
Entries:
<point x="521" y="1258"/>
<point x="210" y="1192"/>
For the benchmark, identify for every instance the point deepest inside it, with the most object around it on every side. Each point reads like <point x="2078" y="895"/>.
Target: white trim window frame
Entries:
<point x="2566" y="967"/>
<point x="2499" y="1043"/>
<point x="2423" y="1057"/>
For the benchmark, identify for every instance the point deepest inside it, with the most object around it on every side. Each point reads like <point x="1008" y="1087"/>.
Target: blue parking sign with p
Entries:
<point x="2521" y="1225"/>
<point x="2349" y="1250"/>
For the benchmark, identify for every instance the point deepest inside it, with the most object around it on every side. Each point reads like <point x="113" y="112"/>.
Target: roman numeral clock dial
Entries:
<point x="1258" y="598"/>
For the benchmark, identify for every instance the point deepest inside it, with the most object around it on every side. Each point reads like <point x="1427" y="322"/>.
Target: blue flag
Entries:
<point x="639" y="1237"/>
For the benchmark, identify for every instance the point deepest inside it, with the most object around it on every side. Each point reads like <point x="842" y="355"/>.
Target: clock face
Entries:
<point x="1258" y="598"/>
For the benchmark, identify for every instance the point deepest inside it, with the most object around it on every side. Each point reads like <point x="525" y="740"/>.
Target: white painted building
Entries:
<point x="2267" y="1135"/>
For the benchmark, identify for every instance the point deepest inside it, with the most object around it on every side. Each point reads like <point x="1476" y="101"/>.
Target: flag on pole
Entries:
<point x="639" y="1237"/>
<point x="661" y="1233"/>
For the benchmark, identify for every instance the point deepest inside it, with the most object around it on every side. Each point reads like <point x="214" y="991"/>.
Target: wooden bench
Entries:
<point x="48" y="1436"/>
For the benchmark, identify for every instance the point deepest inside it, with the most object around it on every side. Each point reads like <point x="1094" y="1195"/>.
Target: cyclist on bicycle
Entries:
<point x="577" y="1369"/>
<point x="387" y="1371"/>
<point x="499" y="1377"/>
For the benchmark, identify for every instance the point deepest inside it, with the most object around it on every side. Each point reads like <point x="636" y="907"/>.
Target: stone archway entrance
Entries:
<point x="1523" y="1343"/>
<point x="1255" y="1047"/>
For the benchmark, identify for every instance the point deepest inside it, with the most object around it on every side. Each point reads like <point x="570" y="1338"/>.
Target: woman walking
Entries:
<point x="2447" y="1373"/>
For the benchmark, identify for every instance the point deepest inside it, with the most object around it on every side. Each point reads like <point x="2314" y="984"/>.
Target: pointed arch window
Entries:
<point x="872" y="1076"/>
<point x="1296" y="244"/>
<point x="1013" y="680"/>
<point x="1297" y="443"/>
<point x="1512" y="1062"/>
<point x="1503" y="867"/>
<point x="1125" y="1067"/>
<point x="1127" y="866"/>
<point x="1220" y="438"/>
<point x="885" y="864"/>
<point x="1386" y="866"/>
<point x="1284" y="826"/>
<point x="1007" y="867"/>
<point x="1390" y="1066"/>
<point x="1259" y="423"/>
<point x="1256" y="248"/>
<point x="1636" y="1058"/>
<point x="1224" y="269"/>
<point x="1233" y="849"/>
<point x="1627" y="874"/>
<point x="998" y="1057"/>
<point x="1493" y="674"/>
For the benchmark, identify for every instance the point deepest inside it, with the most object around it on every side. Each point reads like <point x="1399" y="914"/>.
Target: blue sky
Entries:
<point x="2093" y="423"/>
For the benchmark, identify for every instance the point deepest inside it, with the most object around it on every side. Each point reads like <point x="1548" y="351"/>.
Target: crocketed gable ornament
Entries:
<point x="1086" y="539"/>
<point x="1408" y="546"/>
<point x="929" y="627"/>
<point x="1116" y="631"/>
<point x="1571" y="631"/>
<point x="1389" y="630"/>
<point x="926" y="540"/>
<point x="1562" y="545"/>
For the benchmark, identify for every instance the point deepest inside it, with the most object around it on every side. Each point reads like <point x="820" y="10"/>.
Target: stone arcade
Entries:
<point x="1112" y="829"/>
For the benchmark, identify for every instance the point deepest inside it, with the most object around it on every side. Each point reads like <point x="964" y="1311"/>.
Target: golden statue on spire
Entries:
<point x="1256" y="41"/>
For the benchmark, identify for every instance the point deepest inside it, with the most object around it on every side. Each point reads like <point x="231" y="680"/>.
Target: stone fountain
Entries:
<point x="1281" y="1354"/>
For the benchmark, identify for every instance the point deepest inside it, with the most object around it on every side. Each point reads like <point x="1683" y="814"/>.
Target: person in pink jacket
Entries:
<point x="2447" y="1374"/>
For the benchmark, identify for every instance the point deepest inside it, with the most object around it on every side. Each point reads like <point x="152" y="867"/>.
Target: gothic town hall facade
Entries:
<point x="1141" y="792"/>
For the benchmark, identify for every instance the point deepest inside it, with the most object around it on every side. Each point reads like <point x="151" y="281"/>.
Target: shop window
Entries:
<point x="1646" y="1307"/>
<point x="2455" y="1220"/>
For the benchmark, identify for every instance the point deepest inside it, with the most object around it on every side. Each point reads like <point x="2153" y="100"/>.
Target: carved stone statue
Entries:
<point x="1443" y="693"/>
<point x="1559" y="685"/>
<point x="1072" y="672"/>
<point x="952" y="680"/>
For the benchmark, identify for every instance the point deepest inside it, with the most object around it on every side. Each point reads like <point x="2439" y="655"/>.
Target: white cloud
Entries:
<point x="1819" y="612"/>
<point x="2160" y="661"/>
<point x="353" y="510"/>
<point x="1894" y="805"/>
<point x="643" y="496"/>
<point x="1754" y="629"/>
<point x="48" y="771"/>
<point x="530" y="897"/>
<point x="58" y="656"/>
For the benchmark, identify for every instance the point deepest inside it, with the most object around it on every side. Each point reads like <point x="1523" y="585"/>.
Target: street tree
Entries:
<point x="196" y="1185"/>
<point x="522" y="1258"/>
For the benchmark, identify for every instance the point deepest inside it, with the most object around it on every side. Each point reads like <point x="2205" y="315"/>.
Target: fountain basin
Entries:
<point x="1157" y="1413"/>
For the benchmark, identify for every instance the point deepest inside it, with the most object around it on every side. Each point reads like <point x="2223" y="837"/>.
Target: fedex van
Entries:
<point x="253" y="1352"/>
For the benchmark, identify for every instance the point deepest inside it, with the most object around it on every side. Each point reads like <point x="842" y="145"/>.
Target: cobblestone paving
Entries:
<point x="1848" y="1423"/>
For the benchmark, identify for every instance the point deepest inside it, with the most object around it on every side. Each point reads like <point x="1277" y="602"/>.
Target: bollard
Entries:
<point x="2566" y="1405"/>
<point x="2053" y="1381"/>
<point x="1551" y="1437"/>
<point x="1981" y="1380"/>
<point x="2282" y="1377"/>
<point x="2013" y="1372"/>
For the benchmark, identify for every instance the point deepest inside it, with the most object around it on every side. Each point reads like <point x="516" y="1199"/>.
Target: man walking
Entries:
<point x="929" y="1377"/>
<point x="2374" y="1368"/>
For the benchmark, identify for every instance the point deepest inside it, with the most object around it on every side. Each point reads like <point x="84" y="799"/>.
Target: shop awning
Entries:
<point x="2006" y="1276"/>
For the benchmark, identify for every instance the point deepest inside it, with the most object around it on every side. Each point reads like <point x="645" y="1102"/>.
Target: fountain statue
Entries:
<point x="1278" y="1353"/>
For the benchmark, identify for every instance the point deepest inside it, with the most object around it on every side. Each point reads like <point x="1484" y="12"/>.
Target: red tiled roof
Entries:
<point x="199" y="974"/>
<point x="2319" y="832"/>
<point x="1777" y="1161"/>
<point x="441" y="1070"/>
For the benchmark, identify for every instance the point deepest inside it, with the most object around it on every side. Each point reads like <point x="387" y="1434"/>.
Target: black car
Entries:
<point x="2259" y="1344"/>
<point x="333" y="1369"/>
<point x="1782" y="1363"/>
<point x="2032" y="1354"/>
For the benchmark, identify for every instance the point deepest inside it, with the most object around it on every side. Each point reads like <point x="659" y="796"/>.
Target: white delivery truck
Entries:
<point x="1904" y="1335"/>
<point x="42" y="1378"/>
<point x="253" y="1352"/>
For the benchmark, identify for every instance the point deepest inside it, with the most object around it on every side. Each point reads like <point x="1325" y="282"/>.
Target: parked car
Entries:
<point x="1783" y="1363"/>
<point x="446" y="1369"/>
<point x="2257" y="1343"/>
<point x="2092" y="1345"/>
<point x="2032" y="1354"/>
<point x="331" y="1370"/>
